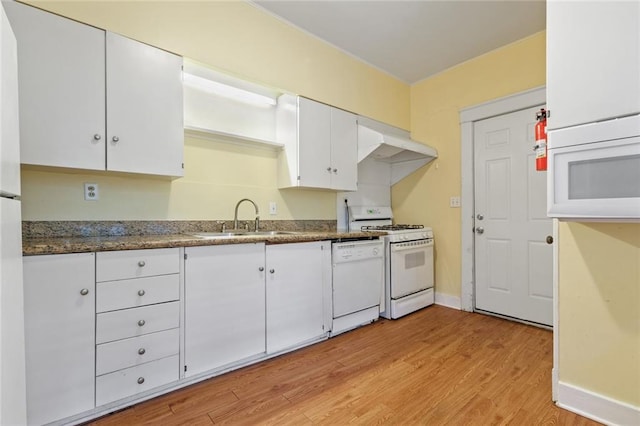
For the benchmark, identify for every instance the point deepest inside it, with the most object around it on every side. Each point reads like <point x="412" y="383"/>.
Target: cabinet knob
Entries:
<point x="141" y="263"/>
<point x="271" y="271"/>
<point x="261" y="268"/>
<point x="84" y="291"/>
<point x="140" y="380"/>
<point x="141" y="292"/>
<point x="97" y="137"/>
<point x="549" y="239"/>
<point x="141" y="323"/>
<point x="335" y="170"/>
<point x="115" y="139"/>
<point x="141" y="351"/>
<point x="329" y="169"/>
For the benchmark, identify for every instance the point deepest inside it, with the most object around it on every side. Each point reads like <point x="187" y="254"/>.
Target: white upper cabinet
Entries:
<point x="321" y="145"/>
<point x="144" y="108"/>
<point x="593" y="61"/>
<point x="61" y="67"/>
<point x="82" y="96"/>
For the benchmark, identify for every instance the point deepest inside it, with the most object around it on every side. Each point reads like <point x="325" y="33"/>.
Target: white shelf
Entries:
<point x="214" y="135"/>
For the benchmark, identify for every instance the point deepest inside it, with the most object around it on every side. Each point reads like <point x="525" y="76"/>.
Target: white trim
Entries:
<point x="556" y="334"/>
<point x="523" y="100"/>
<point x="448" y="300"/>
<point x="597" y="407"/>
<point x="468" y="116"/>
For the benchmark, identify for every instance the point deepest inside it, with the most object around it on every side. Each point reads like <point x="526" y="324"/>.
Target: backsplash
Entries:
<point x="52" y="229"/>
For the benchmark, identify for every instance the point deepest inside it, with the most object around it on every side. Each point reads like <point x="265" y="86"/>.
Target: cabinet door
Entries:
<point x="344" y="150"/>
<point x="295" y="292"/>
<point x="61" y="66"/>
<point x="59" y="301"/>
<point x="224" y="305"/>
<point x="145" y="132"/>
<point x="593" y="61"/>
<point x="314" y="149"/>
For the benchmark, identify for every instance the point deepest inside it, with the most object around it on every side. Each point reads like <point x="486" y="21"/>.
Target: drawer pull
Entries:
<point x="140" y="380"/>
<point x="141" y="292"/>
<point x="84" y="291"/>
<point x="141" y="351"/>
<point x="141" y="263"/>
<point x="141" y="323"/>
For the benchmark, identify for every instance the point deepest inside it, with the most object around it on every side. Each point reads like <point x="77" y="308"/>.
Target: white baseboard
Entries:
<point x="597" y="407"/>
<point x="448" y="301"/>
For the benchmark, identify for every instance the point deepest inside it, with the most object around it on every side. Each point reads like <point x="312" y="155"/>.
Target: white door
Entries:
<point x="295" y="294"/>
<point x="314" y="136"/>
<point x="224" y="305"/>
<point x="144" y="108"/>
<point x="513" y="260"/>
<point x="61" y="68"/>
<point x="60" y="314"/>
<point x="344" y="150"/>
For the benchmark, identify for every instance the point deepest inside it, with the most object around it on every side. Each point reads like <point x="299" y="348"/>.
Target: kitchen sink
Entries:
<point x="235" y="234"/>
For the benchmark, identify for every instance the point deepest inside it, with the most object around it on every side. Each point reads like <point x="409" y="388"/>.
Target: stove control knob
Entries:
<point x="375" y="251"/>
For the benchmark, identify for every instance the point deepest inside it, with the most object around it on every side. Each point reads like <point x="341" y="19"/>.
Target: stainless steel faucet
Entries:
<point x="235" y="214"/>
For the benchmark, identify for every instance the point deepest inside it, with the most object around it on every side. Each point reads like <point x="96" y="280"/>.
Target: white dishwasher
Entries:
<point x="358" y="283"/>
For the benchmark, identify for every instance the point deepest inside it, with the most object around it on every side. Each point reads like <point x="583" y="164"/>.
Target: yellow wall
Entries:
<point x="599" y="282"/>
<point x="237" y="38"/>
<point x="435" y="105"/>
<point x="599" y="304"/>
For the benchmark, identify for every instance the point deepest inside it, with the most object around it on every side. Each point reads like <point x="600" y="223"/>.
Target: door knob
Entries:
<point x="480" y="230"/>
<point x="480" y="217"/>
<point x="549" y="239"/>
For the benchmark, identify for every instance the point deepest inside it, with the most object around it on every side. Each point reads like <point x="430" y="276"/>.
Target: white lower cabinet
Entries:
<point x="104" y="327"/>
<point x="59" y="301"/>
<point x="224" y="305"/>
<point x="297" y="284"/>
<point x="137" y="322"/>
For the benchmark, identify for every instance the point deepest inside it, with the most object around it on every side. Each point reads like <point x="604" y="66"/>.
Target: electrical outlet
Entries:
<point x="90" y="191"/>
<point x="454" y="202"/>
<point x="273" y="207"/>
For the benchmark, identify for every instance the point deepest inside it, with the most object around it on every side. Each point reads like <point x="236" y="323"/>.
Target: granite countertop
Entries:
<point x="81" y="244"/>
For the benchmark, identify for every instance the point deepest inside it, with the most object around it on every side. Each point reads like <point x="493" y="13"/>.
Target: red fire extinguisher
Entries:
<point x="541" y="140"/>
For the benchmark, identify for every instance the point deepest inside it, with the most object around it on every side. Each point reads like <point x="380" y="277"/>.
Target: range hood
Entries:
<point x="391" y="146"/>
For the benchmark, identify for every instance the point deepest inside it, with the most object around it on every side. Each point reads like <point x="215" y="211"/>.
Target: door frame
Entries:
<point x="518" y="101"/>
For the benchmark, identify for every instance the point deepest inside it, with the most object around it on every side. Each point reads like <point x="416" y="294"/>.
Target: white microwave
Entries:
<point x="594" y="171"/>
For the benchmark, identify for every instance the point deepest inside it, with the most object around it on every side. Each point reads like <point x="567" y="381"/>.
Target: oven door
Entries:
<point x="411" y="267"/>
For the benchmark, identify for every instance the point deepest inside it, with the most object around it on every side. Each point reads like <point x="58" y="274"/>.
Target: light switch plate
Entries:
<point x="454" y="202"/>
<point x="273" y="208"/>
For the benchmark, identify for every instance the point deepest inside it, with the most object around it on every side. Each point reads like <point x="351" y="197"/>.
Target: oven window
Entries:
<point x="614" y="177"/>
<point x="414" y="260"/>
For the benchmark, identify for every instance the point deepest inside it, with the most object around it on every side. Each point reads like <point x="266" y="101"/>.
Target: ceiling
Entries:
<point x="413" y="40"/>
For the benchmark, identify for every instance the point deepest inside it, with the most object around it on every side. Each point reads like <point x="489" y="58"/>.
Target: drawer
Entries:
<point x="125" y="264"/>
<point x="130" y="381"/>
<point x="112" y="295"/>
<point x="134" y="351"/>
<point x="133" y="322"/>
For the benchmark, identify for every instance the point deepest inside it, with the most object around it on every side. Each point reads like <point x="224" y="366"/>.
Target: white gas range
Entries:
<point x="409" y="269"/>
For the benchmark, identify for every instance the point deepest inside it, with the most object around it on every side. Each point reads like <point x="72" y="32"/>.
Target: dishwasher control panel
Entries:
<point x="357" y="250"/>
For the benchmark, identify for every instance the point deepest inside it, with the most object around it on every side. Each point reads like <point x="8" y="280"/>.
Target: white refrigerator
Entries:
<point x="12" y="346"/>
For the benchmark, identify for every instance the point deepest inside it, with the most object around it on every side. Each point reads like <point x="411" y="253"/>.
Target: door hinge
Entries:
<point x="185" y="368"/>
<point x="183" y="165"/>
<point x="298" y="177"/>
<point x="185" y="256"/>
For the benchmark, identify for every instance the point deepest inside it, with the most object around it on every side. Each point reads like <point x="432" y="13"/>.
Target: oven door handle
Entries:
<point x="396" y="247"/>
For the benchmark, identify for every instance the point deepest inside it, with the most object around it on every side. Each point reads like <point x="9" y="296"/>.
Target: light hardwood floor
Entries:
<point x="438" y="366"/>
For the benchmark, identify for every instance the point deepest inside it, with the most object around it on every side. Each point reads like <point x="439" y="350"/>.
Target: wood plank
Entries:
<point x="435" y="366"/>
